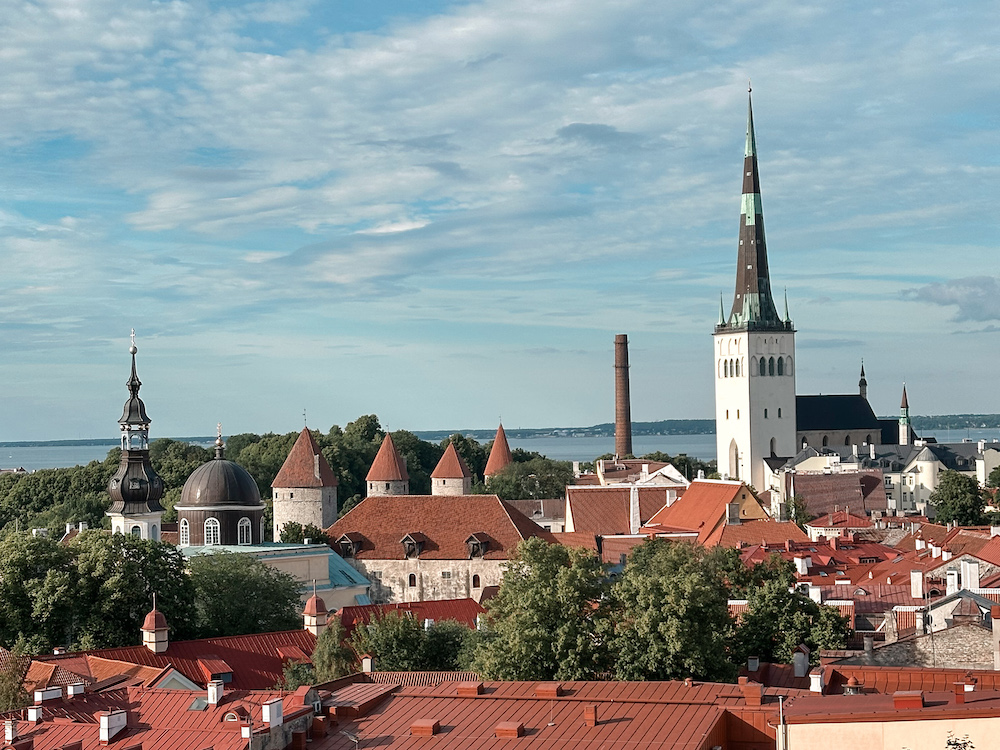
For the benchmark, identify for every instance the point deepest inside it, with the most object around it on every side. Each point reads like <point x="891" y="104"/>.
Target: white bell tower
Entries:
<point x="754" y="353"/>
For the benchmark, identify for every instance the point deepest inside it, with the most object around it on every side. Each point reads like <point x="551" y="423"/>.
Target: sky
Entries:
<point x="442" y="212"/>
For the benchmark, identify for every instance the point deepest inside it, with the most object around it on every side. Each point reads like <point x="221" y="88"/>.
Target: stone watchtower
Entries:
<point x="388" y="475"/>
<point x="754" y="352"/>
<point x="135" y="489"/>
<point x="500" y="456"/>
<point x="451" y="476"/>
<point x="305" y="489"/>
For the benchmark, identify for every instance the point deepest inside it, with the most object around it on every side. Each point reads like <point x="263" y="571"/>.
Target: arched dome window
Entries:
<point x="475" y="582"/>
<point x="211" y="532"/>
<point x="185" y="533"/>
<point x="245" y="533"/>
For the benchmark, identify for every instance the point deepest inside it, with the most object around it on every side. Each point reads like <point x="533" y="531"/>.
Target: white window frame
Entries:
<point x="245" y="532"/>
<point x="212" y="539"/>
<point x="184" y="533"/>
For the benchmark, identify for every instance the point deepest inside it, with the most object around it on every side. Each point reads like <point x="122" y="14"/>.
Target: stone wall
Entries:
<point x="452" y="487"/>
<point x="966" y="646"/>
<point x="432" y="579"/>
<point x="315" y="505"/>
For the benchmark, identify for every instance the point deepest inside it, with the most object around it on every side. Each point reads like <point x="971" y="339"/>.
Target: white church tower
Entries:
<point x="754" y="353"/>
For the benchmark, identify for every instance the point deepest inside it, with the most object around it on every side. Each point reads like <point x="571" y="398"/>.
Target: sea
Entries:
<point x="40" y="456"/>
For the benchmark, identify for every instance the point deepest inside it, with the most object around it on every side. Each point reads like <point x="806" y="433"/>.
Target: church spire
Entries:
<point x="753" y="305"/>
<point x="863" y="383"/>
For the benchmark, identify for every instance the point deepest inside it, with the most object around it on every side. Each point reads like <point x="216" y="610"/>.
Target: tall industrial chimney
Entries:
<point x="623" y="410"/>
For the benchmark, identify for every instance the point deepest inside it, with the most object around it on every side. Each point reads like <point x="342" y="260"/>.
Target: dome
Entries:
<point x="220" y="482"/>
<point x="315" y="606"/>
<point x="155" y="621"/>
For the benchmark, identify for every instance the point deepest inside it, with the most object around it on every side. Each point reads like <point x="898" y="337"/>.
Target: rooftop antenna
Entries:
<point x="352" y="737"/>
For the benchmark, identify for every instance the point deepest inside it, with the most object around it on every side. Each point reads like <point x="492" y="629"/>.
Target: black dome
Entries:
<point x="220" y="482"/>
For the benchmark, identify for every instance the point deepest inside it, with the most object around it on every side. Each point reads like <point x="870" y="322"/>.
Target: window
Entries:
<point x="291" y="495"/>
<point x="765" y="413"/>
<point x="185" y="533"/>
<point x="847" y="440"/>
<point x="262" y="538"/>
<point x="779" y="412"/>
<point x="770" y="366"/>
<point x="781" y="366"/>
<point x="386" y="486"/>
<point x="136" y="531"/>
<point x="211" y="532"/>
<point x="412" y="580"/>
<point x="153" y="533"/>
<point x="245" y="533"/>
<point x="476" y="582"/>
<point x="377" y="575"/>
<point x="763" y="366"/>
<point x="774" y="446"/>
<point x="826" y="441"/>
<point x="446" y="574"/>
<point x="725" y="368"/>
<point x="737" y="368"/>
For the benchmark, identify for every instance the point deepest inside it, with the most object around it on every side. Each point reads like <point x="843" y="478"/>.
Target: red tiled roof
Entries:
<point x="824" y="493"/>
<point x="878" y="707"/>
<point x="702" y="508"/>
<point x="614" y="547"/>
<point x="887" y="680"/>
<point x="840" y="520"/>
<point x="254" y="659"/>
<point x="465" y="611"/>
<point x="760" y="531"/>
<point x="388" y="465"/>
<point x="445" y="521"/>
<point x="553" y="508"/>
<point x="598" y="510"/>
<point x="500" y="456"/>
<point x="305" y="465"/>
<point x="421" y="679"/>
<point x="451" y="465"/>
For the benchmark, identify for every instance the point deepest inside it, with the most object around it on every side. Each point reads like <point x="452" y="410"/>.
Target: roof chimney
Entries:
<point x="271" y="713"/>
<point x="112" y="722"/>
<point x="590" y="715"/>
<point x="216" y="689"/>
<point x="753" y="692"/>
<point x="623" y="410"/>
<point x="952" y="582"/>
<point x="10" y="730"/>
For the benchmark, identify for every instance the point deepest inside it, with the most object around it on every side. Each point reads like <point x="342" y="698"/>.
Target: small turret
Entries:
<point x="451" y="476"/>
<point x="155" y="631"/>
<point x="315" y="615"/>
<point x="388" y="475"/>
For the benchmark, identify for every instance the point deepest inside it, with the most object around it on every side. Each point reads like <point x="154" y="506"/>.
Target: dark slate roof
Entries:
<point x="839" y="412"/>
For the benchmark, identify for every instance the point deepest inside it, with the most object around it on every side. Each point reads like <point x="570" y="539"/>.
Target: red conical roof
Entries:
<point x="904" y="404"/>
<point x="315" y="606"/>
<point x="451" y="465"/>
<point x="388" y="465"/>
<point x="155" y="621"/>
<point x="305" y="465"/>
<point x="500" y="457"/>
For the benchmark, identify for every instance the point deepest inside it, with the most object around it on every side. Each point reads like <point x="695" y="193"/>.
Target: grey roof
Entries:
<point x="220" y="482"/>
<point x="837" y="412"/>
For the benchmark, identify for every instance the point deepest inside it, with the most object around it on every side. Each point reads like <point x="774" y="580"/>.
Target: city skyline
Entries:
<point x="443" y="213"/>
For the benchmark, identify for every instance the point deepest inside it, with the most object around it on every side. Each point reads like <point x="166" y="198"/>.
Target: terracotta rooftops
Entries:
<point x="305" y="465"/>
<point x="451" y="465"/>
<point x="703" y="509"/>
<point x="444" y="525"/>
<point x="388" y="465"/>
<point x="465" y="611"/>
<point x="500" y="456"/>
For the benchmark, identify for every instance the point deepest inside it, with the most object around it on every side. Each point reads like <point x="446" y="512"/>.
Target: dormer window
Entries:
<point x="478" y="544"/>
<point x="350" y="544"/>
<point x="413" y="544"/>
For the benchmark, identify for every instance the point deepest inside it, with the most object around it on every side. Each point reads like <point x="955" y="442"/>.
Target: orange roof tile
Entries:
<point x="451" y="465"/>
<point x="388" y="465"/>
<point x="500" y="456"/>
<point x="465" y="611"/>
<point x="446" y="522"/>
<point x="702" y="508"/>
<point x="598" y="510"/>
<point x="305" y="465"/>
<point x="757" y="531"/>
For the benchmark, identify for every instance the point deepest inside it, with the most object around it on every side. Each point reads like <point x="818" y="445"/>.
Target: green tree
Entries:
<point x="548" y="619"/>
<point x="295" y="674"/>
<point x="671" y="615"/>
<point x="332" y="658"/>
<point x="958" y="498"/>
<point x="236" y="594"/>
<point x="421" y="458"/>
<point x="26" y="563"/>
<point x="13" y="668"/>
<point x="395" y="639"/>
<point x="741" y="578"/>
<point x="535" y="479"/>
<point x="778" y="620"/>
<point x="295" y="533"/>
<point x="444" y="644"/>
<point x="116" y="577"/>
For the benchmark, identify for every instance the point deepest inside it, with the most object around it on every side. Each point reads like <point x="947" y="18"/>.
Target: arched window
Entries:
<point x="779" y="412"/>
<point x="211" y="532"/>
<point x="763" y="366"/>
<point x="770" y="366"/>
<point x="245" y="533"/>
<point x="765" y="413"/>
<point x="847" y="440"/>
<point x="788" y="365"/>
<point x="412" y="580"/>
<point x="734" y="460"/>
<point x="136" y="531"/>
<point x="153" y="533"/>
<point x="725" y="368"/>
<point x="774" y="446"/>
<point x="781" y="366"/>
<point x="475" y="582"/>
<point x="868" y="439"/>
<point x="185" y="533"/>
<point x="737" y="368"/>
<point x="826" y="441"/>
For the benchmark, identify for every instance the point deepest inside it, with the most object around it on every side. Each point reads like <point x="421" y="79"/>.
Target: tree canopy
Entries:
<point x="536" y="478"/>
<point x="958" y="498"/>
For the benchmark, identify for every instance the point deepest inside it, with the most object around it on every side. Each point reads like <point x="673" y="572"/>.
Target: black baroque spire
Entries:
<point x="135" y="488"/>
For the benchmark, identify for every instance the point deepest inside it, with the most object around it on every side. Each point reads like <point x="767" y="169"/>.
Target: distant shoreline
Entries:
<point x="607" y="429"/>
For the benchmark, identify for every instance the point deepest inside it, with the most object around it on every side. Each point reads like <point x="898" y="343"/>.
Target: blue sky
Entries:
<point x="443" y="212"/>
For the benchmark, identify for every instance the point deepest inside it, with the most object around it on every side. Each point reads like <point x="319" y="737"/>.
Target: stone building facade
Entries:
<point x="305" y="489"/>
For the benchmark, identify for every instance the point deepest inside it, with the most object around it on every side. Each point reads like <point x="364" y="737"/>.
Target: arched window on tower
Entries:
<point x="826" y="441"/>
<point x="774" y="447"/>
<point x="868" y="439"/>
<point x="185" y="533"/>
<point x="154" y="533"/>
<point x="770" y="366"/>
<point x="781" y="366"/>
<point x="763" y="366"/>
<point x="476" y="582"/>
<point x="737" y="368"/>
<point x="245" y="531"/>
<point x="412" y="580"/>
<point x="788" y="365"/>
<point x="725" y="368"/>
<point x="847" y="440"/>
<point x="137" y="532"/>
<point x="211" y="532"/>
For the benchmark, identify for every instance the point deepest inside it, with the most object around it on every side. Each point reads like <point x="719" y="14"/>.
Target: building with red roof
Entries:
<point x="422" y="547"/>
<point x="464" y="611"/>
<point x="619" y="509"/>
<point x="451" y="476"/>
<point x="836" y="523"/>
<point x="500" y="455"/>
<point x="305" y="488"/>
<point x="388" y="475"/>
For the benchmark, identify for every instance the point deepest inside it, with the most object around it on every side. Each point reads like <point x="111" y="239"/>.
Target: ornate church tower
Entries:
<point x="754" y="352"/>
<point x="135" y="489"/>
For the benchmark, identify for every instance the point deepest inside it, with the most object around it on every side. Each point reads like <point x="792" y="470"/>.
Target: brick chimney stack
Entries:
<point x="623" y="409"/>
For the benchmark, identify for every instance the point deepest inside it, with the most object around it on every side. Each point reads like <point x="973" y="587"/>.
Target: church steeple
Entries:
<point x="136" y="488"/>
<point x="863" y="383"/>
<point x="753" y="305"/>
